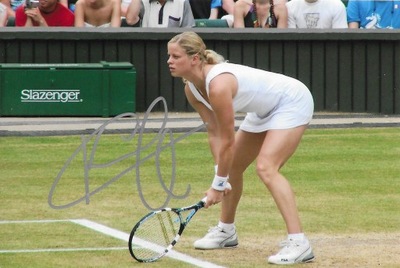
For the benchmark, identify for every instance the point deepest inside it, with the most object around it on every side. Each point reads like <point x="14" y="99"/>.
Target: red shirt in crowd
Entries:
<point x="61" y="16"/>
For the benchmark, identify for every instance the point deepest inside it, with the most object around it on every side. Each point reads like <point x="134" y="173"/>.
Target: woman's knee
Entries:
<point x="267" y="172"/>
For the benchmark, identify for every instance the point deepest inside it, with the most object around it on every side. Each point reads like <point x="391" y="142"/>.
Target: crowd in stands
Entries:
<point x="311" y="14"/>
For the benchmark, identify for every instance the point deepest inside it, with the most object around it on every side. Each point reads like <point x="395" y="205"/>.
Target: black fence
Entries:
<point x="346" y="70"/>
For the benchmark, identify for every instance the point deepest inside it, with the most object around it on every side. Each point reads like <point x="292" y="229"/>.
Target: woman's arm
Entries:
<point x="116" y="14"/>
<point x="208" y="118"/>
<point x="221" y="92"/>
<point x="242" y="7"/>
<point x="133" y="12"/>
<point x="228" y="6"/>
<point x="220" y="127"/>
<point x="354" y="25"/>
<point x="79" y="13"/>
<point x="281" y="14"/>
<point x="64" y="3"/>
<point x="213" y="13"/>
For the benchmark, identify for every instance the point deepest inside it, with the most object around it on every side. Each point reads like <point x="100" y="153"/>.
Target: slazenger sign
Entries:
<point x="50" y="95"/>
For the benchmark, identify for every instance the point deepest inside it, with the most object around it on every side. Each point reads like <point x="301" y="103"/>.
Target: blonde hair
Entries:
<point x="192" y="43"/>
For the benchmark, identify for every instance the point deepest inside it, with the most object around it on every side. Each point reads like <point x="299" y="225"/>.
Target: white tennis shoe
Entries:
<point x="217" y="238"/>
<point x="293" y="251"/>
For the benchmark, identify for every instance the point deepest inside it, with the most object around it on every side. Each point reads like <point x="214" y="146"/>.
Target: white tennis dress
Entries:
<point x="271" y="100"/>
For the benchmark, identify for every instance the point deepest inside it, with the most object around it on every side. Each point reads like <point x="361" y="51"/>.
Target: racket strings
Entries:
<point x="165" y="223"/>
<point x="187" y="215"/>
<point x="156" y="233"/>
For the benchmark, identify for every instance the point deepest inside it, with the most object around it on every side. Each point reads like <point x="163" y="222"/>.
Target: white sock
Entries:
<point x="227" y="227"/>
<point x="297" y="237"/>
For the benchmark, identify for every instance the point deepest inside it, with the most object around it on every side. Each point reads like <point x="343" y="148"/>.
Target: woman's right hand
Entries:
<point x="214" y="196"/>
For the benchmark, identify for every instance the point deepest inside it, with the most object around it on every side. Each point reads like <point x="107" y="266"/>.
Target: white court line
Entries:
<point x="110" y="232"/>
<point x="33" y="221"/>
<point x="124" y="236"/>
<point x="59" y="250"/>
<point x="50" y="249"/>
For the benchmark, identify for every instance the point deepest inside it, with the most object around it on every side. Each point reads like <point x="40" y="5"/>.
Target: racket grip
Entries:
<point x="228" y="186"/>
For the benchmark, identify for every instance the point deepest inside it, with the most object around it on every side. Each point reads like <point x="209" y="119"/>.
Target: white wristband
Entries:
<point x="219" y="183"/>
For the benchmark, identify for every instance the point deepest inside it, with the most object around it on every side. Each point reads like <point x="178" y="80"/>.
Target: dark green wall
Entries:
<point x="346" y="70"/>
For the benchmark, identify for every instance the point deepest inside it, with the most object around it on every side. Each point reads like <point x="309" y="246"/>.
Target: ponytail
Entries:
<point x="212" y="57"/>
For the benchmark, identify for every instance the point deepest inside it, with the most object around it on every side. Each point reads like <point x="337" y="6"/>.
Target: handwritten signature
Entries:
<point x="139" y="130"/>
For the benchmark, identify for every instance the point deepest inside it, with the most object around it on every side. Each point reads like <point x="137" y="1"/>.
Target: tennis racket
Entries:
<point x="158" y="232"/>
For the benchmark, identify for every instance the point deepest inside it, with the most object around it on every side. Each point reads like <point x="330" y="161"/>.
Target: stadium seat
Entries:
<point x="216" y="23"/>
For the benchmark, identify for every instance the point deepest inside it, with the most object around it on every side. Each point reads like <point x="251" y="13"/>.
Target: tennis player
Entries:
<point x="279" y="109"/>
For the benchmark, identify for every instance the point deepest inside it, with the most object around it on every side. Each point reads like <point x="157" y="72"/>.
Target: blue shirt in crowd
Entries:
<point x="377" y="14"/>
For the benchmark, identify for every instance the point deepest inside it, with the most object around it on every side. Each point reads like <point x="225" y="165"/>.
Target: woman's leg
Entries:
<point x="277" y="148"/>
<point x="247" y="147"/>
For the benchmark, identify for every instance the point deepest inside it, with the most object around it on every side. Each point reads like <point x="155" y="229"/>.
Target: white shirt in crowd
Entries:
<point x="316" y="14"/>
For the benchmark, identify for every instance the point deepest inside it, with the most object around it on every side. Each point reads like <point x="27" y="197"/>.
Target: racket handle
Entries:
<point x="228" y="186"/>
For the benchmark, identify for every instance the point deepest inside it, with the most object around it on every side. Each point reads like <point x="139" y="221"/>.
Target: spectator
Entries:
<point x="161" y="13"/>
<point x="260" y="14"/>
<point x="98" y="13"/>
<point x="206" y="9"/>
<point x="316" y="14"/>
<point x="16" y="3"/>
<point x="211" y="9"/>
<point x="3" y="15"/>
<point x="48" y="13"/>
<point x="124" y="7"/>
<point x="11" y="6"/>
<point x="63" y="2"/>
<point x="228" y="6"/>
<point x="69" y="3"/>
<point x="373" y="14"/>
